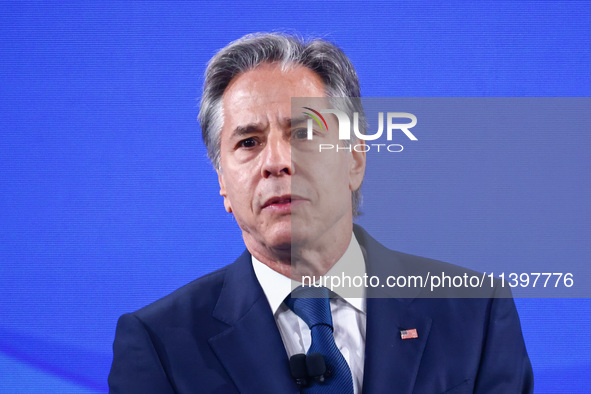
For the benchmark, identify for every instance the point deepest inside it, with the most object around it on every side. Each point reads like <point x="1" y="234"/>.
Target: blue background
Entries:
<point x="108" y="202"/>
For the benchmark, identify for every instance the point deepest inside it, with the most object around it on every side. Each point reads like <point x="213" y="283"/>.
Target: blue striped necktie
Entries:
<point x="312" y="305"/>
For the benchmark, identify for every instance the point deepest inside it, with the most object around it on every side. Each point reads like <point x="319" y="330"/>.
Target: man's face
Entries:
<point x="281" y="191"/>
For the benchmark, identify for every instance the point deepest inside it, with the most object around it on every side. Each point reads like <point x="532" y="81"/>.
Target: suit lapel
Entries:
<point x="391" y="363"/>
<point x="251" y="348"/>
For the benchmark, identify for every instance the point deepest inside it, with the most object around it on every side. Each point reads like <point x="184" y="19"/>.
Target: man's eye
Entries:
<point x="299" y="134"/>
<point x="247" y="143"/>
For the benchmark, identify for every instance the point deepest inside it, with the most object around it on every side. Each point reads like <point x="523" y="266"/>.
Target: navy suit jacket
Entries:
<point x="218" y="335"/>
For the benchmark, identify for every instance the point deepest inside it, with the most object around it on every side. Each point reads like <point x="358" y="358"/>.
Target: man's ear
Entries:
<point x="357" y="170"/>
<point x="223" y="192"/>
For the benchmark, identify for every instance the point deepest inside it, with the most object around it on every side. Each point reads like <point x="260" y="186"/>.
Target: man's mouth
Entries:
<point x="283" y="204"/>
<point x="278" y="201"/>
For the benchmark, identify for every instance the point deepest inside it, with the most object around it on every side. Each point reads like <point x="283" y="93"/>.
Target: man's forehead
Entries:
<point x="244" y="128"/>
<point x="256" y="116"/>
<point x="264" y="95"/>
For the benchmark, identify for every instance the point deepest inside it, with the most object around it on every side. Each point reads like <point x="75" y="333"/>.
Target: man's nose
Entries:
<point x="277" y="156"/>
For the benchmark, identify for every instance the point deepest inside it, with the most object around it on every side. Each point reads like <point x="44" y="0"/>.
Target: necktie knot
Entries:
<point x="311" y="304"/>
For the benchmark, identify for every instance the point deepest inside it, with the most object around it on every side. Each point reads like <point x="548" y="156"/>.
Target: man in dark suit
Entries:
<point x="234" y="330"/>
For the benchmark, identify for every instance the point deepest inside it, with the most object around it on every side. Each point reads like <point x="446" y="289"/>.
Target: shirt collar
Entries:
<point x="276" y="286"/>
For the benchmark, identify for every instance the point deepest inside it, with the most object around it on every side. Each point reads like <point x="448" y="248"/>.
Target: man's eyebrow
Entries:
<point x="253" y="128"/>
<point x="296" y="120"/>
<point x="250" y="128"/>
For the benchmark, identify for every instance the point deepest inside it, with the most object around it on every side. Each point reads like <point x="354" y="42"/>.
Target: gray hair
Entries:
<point x="324" y="58"/>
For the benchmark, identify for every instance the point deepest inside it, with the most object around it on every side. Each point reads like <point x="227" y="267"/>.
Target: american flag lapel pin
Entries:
<point x="409" y="334"/>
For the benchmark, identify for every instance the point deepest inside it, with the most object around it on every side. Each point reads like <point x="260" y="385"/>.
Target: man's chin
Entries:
<point x="286" y="239"/>
<point x="280" y="238"/>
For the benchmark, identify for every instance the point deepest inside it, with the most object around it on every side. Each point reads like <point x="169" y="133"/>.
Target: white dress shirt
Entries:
<point x="348" y="311"/>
